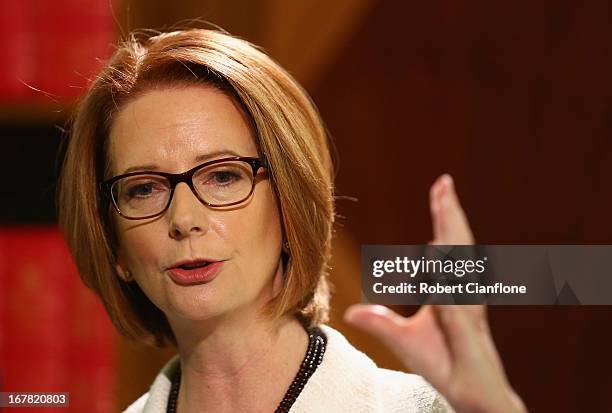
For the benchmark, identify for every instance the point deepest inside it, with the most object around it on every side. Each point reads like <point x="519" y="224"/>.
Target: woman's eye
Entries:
<point x="223" y="178"/>
<point x="144" y="190"/>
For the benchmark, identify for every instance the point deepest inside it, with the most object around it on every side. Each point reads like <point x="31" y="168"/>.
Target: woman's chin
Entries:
<point x="196" y="307"/>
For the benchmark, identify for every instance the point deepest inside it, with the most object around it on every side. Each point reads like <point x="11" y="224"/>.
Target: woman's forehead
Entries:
<point x="175" y="125"/>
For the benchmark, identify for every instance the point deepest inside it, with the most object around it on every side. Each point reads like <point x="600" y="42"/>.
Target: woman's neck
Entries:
<point x="241" y="365"/>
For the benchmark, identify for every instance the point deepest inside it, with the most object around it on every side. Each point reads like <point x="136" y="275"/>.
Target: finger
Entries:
<point x="473" y="353"/>
<point x="417" y="340"/>
<point x="450" y="225"/>
<point x="479" y="318"/>
<point x="460" y="331"/>
<point x="378" y="320"/>
<point x="478" y="315"/>
<point x="435" y="194"/>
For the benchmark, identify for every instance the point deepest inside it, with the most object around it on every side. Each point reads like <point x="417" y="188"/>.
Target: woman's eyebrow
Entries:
<point x="199" y="158"/>
<point x="216" y="154"/>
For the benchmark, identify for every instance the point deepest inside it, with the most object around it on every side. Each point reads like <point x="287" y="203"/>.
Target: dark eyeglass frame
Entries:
<point x="187" y="177"/>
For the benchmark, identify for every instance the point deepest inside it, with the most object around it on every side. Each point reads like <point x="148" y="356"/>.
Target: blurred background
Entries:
<point x="514" y="99"/>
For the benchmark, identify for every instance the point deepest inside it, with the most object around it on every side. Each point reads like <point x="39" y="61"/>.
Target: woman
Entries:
<point x="196" y="197"/>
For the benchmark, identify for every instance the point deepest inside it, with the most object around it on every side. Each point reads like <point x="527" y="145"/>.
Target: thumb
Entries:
<point x="377" y="320"/>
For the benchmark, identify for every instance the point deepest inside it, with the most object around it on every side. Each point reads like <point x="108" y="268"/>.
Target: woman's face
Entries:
<point x="166" y="130"/>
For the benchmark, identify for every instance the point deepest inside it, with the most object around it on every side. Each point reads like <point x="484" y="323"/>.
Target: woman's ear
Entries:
<point x="125" y="275"/>
<point x="122" y="271"/>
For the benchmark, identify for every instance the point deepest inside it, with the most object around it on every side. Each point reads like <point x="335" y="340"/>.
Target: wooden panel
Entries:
<point x="513" y="99"/>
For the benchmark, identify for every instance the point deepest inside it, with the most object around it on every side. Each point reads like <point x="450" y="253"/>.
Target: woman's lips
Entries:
<point x="196" y="275"/>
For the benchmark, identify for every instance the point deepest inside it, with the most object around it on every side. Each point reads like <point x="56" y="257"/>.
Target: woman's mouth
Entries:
<point x="192" y="273"/>
<point x="194" y="265"/>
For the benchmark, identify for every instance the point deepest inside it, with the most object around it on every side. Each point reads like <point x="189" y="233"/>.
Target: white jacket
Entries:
<point x="346" y="381"/>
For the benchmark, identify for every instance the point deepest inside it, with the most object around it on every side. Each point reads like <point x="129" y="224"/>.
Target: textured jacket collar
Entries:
<point x="345" y="381"/>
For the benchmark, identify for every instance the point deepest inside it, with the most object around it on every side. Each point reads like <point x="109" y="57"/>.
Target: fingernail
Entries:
<point x="448" y="180"/>
<point x="349" y="313"/>
<point x="379" y="309"/>
<point x="447" y="185"/>
<point x="348" y="317"/>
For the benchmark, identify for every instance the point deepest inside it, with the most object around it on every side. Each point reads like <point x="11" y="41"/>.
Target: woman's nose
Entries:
<point x="187" y="215"/>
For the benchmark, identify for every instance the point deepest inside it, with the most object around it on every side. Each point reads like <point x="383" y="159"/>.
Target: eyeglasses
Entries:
<point x="217" y="183"/>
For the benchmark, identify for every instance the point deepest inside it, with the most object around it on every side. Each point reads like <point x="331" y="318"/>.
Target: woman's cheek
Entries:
<point x="143" y="248"/>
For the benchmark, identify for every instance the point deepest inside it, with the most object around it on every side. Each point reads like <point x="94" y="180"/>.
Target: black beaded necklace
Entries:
<point x="314" y="356"/>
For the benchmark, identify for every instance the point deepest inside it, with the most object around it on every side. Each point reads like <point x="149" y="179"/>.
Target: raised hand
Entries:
<point x="451" y="345"/>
